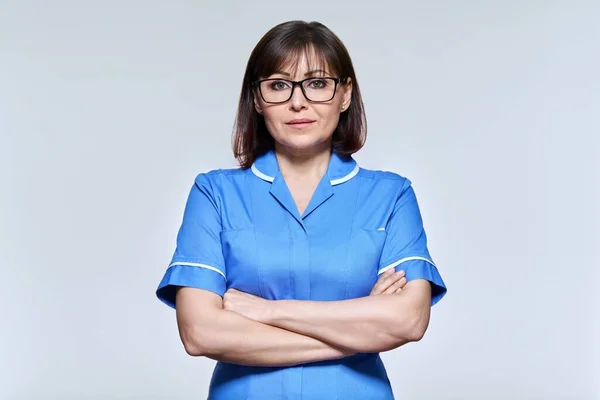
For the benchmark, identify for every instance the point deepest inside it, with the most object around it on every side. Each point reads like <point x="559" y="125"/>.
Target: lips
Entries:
<point x="302" y="121"/>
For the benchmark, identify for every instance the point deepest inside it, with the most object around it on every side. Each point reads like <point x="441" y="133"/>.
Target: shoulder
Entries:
<point x="217" y="177"/>
<point x="218" y="183"/>
<point x="388" y="179"/>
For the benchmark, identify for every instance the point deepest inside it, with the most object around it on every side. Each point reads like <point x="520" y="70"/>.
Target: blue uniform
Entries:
<point x="241" y="229"/>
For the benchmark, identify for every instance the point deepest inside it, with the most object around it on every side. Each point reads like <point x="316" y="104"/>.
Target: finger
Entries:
<point x="403" y="281"/>
<point x="386" y="274"/>
<point x="387" y="281"/>
<point x="391" y="279"/>
<point x="398" y="284"/>
<point x="383" y="284"/>
<point x="396" y="287"/>
<point x="391" y="272"/>
<point x="381" y="278"/>
<point x="401" y="288"/>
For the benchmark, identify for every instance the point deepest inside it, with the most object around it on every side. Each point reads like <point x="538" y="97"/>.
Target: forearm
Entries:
<point x="235" y="339"/>
<point x="366" y="324"/>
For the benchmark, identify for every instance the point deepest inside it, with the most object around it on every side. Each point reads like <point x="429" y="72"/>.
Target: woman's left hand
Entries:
<point x="248" y="305"/>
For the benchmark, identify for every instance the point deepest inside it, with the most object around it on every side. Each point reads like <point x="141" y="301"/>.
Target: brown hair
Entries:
<point x="281" y="46"/>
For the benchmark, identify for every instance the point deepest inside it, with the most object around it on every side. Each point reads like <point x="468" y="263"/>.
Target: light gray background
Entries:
<point x="108" y="110"/>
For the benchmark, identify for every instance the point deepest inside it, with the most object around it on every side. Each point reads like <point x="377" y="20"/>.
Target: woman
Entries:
<point x="297" y="269"/>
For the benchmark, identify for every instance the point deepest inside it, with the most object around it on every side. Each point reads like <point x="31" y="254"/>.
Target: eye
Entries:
<point x="278" y="85"/>
<point x="318" y="84"/>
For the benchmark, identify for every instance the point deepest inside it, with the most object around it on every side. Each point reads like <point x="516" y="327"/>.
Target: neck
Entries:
<point x="296" y="164"/>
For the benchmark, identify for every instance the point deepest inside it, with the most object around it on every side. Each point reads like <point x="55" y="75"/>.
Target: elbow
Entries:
<point x="410" y="329"/>
<point x="197" y="343"/>
<point x="196" y="311"/>
<point x="193" y="349"/>
<point x="418" y="325"/>
<point x="416" y="332"/>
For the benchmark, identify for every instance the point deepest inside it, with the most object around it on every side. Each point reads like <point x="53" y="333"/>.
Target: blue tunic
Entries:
<point x="241" y="229"/>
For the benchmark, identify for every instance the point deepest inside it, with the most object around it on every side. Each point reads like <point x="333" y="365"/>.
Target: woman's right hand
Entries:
<point x="390" y="282"/>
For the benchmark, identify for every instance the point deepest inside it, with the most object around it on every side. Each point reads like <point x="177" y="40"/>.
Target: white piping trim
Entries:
<point x="347" y="177"/>
<point x="261" y="175"/>
<point x="392" y="265"/>
<point x="189" y="264"/>
<point x="333" y="181"/>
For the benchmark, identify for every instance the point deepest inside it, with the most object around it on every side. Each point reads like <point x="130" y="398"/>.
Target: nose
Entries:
<point x="297" y="101"/>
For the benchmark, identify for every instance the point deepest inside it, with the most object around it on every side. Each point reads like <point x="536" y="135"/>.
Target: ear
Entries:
<point x="347" y="96"/>
<point x="257" y="106"/>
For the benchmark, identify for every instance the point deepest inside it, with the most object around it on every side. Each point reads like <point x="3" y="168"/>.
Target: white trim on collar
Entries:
<point x="347" y="177"/>
<point x="333" y="182"/>
<point x="261" y="175"/>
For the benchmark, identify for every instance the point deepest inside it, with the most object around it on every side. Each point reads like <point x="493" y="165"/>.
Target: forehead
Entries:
<point x="301" y="62"/>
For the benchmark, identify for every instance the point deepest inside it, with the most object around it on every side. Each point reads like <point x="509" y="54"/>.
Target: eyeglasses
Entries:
<point x="317" y="90"/>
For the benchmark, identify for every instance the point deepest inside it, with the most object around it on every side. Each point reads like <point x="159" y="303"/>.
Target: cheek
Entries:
<point x="329" y="121"/>
<point x="274" y="126"/>
<point x="271" y="119"/>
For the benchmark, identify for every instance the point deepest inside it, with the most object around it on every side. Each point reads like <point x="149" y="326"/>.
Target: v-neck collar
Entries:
<point x="341" y="169"/>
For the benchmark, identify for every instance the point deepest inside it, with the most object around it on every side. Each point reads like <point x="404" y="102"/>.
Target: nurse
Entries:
<point x="297" y="269"/>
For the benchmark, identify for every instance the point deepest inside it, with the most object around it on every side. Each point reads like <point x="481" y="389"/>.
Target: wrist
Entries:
<point x="268" y="312"/>
<point x="274" y="311"/>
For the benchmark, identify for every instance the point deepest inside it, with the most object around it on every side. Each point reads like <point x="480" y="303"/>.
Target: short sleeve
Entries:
<point x="198" y="257"/>
<point x="405" y="246"/>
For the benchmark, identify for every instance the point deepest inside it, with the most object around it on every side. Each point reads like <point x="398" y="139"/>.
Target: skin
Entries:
<point x="207" y="328"/>
<point x="303" y="154"/>
<point x="364" y="325"/>
<point x="244" y="329"/>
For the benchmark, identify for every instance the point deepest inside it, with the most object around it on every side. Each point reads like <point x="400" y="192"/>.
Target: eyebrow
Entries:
<point x="309" y="73"/>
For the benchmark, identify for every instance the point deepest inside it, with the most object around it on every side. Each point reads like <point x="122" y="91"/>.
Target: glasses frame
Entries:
<point x="337" y="81"/>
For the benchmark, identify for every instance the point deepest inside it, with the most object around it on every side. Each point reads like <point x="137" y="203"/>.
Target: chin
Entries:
<point x="303" y="143"/>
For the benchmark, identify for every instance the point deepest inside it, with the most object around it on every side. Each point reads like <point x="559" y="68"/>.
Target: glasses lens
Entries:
<point x="279" y="90"/>
<point x="319" y="89"/>
<point x="275" y="91"/>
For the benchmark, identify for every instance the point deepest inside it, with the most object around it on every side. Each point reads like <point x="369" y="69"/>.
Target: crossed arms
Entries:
<point x="244" y="329"/>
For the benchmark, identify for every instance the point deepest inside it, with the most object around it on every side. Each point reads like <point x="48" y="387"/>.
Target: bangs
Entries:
<point x="290" y="56"/>
<point x="289" y="48"/>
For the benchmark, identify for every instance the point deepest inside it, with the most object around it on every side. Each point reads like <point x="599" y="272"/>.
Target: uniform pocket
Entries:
<point x="241" y="261"/>
<point x="364" y="252"/>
